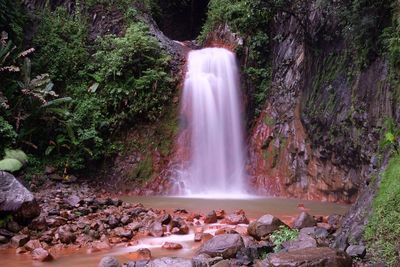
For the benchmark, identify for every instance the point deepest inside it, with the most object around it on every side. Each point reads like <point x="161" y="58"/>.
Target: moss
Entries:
<point x="269" y="120"/>
<point x="383" y="229"/>
<point x="144" y="169"/>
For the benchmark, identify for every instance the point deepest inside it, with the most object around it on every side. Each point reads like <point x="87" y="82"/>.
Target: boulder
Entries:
<point x="32" y="245"/>
<point x="204" y="260"/>
<point x="302" y="242"/>
<point x="109" y="262"/>
<point x="264" y="226"/>
<point x="234" y="219"/>
<point x="66" y="235"/>
<point x="356" y="251"/>
<point x="124" y="233"/>
<point x="19" y="240"/>
<point x="142" y="254"/>
<point x="156" y="229"/>
<point x="137" y="264"/>
<point x="40" y="254"/>
<point x="171" y="246"/>
<point x="310" y="257"/>
<point x="211" y="217"/>
<point x="170" y="261"/>
<point x="304" y="220"/>
<point x="225" y="246"/>
<point x="15" y="199"/>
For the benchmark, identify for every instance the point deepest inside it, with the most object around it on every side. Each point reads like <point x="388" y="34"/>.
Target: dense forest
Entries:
<point x="90" y="90"/>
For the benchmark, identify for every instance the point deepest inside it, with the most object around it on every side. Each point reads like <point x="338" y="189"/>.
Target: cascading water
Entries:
<point x="212" y="112"/>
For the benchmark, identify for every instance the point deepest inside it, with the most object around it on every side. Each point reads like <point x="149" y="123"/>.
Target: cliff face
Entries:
<point x="317" y="136"/>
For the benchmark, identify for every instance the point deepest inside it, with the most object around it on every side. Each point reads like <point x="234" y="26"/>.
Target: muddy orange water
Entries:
<point x="285" y="209"/>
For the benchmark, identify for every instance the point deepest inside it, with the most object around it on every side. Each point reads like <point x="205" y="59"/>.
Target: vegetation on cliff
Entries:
<point x="383" y="229"/>
<point x="89" y="90"/>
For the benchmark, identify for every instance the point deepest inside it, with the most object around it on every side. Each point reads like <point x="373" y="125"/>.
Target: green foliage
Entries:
<point x="5" y="219"/>
<point x="132" y="73"/>
<point x="126" y="80"/>
<point x="143" y="170"/>
<point x="391" y="136"/>
<point x="12" y="19"/>
<point x="251" y="20"/>
<point x="383" y="228"/>
<point x="13" y="160"/>
<point x="60" y="42"/>
<point x="283" y="234"/>
<point x="7" y="134"/>
<point x="363" y="23"/>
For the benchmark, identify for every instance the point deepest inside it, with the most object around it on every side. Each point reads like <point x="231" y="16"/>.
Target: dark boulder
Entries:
<point x="167" y="262"/>
<point x="109" y="262"/>
<point x="15" y="199"/>
<point x="310" y="257"/>
<point x="40" y="254"/>
<point x="356" y="251"/>
<point x="304" y="220"/>
<point x="211" y="217"/>
<point x="225" y="246"/>
<point x="19" y="240"/>
<point x="264" y="226"/>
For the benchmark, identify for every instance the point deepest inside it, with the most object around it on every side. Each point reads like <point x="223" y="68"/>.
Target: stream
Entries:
<point x="254" y="207"/>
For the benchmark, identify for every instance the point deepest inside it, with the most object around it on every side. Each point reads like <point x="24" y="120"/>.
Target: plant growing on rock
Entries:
<point x="282" y="235"/>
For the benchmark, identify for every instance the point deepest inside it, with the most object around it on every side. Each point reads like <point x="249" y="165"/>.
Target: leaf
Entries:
<point x="49" y="149"/>
<point x="10" y="165"/>
<point x="16" y="154"/>
<point x="389" y="137"/>
<point x="93" y="88"/>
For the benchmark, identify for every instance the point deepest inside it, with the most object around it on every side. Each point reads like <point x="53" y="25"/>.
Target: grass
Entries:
<point x="383" y="229"/>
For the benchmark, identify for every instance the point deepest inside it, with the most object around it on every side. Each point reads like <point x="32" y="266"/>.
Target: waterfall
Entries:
<point x="211" y="110"/>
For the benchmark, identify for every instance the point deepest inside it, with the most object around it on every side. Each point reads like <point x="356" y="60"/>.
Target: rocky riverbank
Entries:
<point x="77" y="216"/>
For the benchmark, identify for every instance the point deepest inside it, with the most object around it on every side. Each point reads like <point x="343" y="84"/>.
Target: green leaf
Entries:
<point x="16" y="154"/>
<point x="10" y="165"/>
<point x="49" y="149"/>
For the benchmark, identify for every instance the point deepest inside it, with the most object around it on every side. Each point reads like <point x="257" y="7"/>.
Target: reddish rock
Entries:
<point x="19" y="240"/>
<point x="41" y="254"/>
<point x="234" y="219"/>
<point x="99" y="246"/>
<point x="65" y="235"/>
<point x="225" y="230"/>
<point x="156" y="229"/>
<point x="211" y="217"/>
<point x="21" y="250"/>
<point x="172" y="246"/>
<point x="32" y="245"/>
<point x="143" y="254"/>
<point x="206" y="236"/>
<point x="220" y="214"/>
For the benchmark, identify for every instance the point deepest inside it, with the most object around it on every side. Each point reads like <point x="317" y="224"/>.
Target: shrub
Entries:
<point x="251" y="20"/>
<point x="383" y="229"/>
<point x="132" y="72"/>
<point x="60" y="43"/>
<point x="283" y="234"/>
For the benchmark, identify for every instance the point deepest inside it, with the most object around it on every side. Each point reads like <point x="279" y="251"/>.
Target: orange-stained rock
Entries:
<point x="142" y="254"/>
<point x="172" y="246"/>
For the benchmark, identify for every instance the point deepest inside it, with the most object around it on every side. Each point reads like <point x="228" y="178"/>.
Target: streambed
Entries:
<point x="254" y="207"/>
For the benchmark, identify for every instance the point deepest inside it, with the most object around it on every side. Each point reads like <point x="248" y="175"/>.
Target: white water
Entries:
<point x="212" y="111"/>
